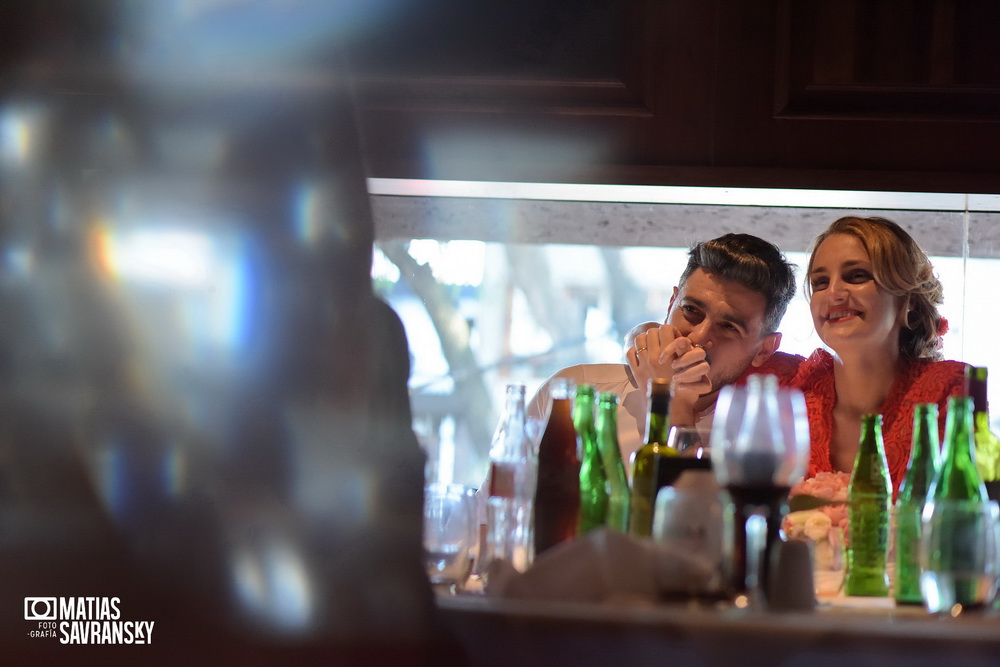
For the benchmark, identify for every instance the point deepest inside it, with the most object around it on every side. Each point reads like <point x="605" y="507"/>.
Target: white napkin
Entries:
<point x="605" y="565"/>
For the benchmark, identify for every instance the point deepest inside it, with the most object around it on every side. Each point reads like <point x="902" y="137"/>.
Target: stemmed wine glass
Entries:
<point x="759" y="448"/>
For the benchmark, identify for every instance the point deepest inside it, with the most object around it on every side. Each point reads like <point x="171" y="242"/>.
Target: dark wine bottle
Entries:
<point x="557" y="493"/>
<point x="645" y="466"/>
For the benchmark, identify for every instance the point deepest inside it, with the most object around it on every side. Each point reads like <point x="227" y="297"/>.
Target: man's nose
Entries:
<point x="699" y="335"/>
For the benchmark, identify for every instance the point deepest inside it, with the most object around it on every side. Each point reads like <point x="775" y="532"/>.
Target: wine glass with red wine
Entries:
<point x="759" y="447"/>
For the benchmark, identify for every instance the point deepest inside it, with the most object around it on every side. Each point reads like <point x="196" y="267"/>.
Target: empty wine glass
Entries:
<point x="451" y="530"/>
<point x="759" y="448"/>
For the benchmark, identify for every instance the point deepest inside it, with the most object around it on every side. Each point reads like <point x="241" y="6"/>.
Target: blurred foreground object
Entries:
<point x="204" y="407"/>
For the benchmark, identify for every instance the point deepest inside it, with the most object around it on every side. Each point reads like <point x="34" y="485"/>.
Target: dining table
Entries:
<point x="840" y="631"/>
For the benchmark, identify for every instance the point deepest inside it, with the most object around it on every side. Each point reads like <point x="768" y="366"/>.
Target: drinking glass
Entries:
<point x="759" y="449"/>
<point x="451" y="530"/>
<point x="958" y="555"/>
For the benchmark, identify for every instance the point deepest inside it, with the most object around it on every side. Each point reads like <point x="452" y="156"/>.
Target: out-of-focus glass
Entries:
<point x="958" y="555"/>
<point x="760" y="448"/>
<point x="689" y="442"/>
<point x="204" y="406"/>
<point x="451" y="530"/>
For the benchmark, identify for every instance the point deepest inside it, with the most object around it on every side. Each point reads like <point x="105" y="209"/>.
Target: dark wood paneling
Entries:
<point x="637" y="95"/>
<point x="859" y="94"/>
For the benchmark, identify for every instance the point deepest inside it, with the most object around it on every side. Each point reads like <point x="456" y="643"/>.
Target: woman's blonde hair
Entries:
<point x="902" y="269"/>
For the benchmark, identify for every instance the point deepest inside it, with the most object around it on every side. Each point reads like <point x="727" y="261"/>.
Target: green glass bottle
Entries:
<point x="593" y="481"/>
<point x="869" y="495"/>
<point x="644" y="466"/>
<point x="923" y="464"/>
<point x="987" y="444"/>
<point x="619" y="500"/>
<point x="957" y="478"/>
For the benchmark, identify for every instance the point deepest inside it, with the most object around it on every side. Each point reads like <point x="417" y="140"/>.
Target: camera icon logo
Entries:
<point x="40" y="609"/>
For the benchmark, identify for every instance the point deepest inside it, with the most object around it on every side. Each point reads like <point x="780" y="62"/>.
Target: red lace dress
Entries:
<point x="922" y="382"/>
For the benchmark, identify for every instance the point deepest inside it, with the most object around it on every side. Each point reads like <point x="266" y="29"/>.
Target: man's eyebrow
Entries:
<point x="728" y="317"/>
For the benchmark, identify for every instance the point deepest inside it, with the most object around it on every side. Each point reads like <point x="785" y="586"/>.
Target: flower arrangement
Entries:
<point x="819" y="514"/>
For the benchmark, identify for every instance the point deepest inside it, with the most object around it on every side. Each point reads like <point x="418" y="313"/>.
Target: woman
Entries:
<point x="873" y="297"/>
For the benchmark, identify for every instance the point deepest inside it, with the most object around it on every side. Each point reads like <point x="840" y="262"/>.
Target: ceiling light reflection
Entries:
<point x="169" y="257"/>
<point x="20" y="134"/>
<point x="208" y="278"/>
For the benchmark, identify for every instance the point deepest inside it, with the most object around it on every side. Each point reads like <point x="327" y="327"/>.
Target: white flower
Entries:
<point x="817" y="526"/>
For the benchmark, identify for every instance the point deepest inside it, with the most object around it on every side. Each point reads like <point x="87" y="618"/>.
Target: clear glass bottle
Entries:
<point x="593" y="480"/>
<point x="512" y="487"/>
<point x="957" y="479"/>
<point x="924" y="460"/>
<point x="557" y="493"/>
<point x="619" y="500"/>
<point x="869" y="496"/>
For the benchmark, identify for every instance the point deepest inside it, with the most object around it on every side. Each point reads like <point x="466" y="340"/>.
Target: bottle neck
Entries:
<point x="871" y="442"/>
<point x="959" y="439"/>
<point x="583" y="413"/>
<point x="515" y="410"/>
<point x="510" y="441"/>
<point x="926" y="451"/>
<point x="977" y="391"/>
<point x="607" y="418"/>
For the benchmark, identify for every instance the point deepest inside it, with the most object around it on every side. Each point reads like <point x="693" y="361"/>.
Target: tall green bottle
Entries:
<point x="619" y="501"/>
<point x="957" y="477"/>
<point x="869" y="496"/>
<point x="644" y="467"/>
<point x="593" y="481"/>
<point x="925" y="456"/>
<point x="987" y="444"/>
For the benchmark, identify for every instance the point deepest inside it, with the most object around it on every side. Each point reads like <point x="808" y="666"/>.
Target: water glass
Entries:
<point x="958" y="555"/>
<point x="451" y="532"/>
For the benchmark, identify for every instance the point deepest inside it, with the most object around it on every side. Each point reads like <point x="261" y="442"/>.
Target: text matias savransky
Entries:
<point x="85" y="620"/>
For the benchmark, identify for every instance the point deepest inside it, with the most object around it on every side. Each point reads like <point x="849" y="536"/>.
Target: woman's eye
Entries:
<point x="859" y="276"/>
<point x="818" y="284"/>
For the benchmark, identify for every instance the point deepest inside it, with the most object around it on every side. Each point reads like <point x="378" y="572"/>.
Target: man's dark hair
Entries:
<point x="752" y="262"/>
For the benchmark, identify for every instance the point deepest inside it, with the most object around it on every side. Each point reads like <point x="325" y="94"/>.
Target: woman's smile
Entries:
<point x="837" y="316"/>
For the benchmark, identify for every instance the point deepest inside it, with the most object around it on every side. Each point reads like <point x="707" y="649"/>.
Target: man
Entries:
<point x="721" y="325"/>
